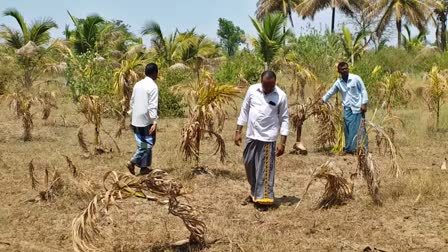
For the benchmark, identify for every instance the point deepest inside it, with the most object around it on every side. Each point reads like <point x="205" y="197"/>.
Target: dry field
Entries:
<point x="414" y="216"/>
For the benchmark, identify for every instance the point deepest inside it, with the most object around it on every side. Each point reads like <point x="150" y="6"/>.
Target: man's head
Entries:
<point x="268" y="80"/>
<point x="343" y="69"/>
<point x="152" y="71"/>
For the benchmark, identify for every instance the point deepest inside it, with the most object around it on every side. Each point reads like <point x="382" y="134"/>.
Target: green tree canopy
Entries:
<point x="231" y="36"/>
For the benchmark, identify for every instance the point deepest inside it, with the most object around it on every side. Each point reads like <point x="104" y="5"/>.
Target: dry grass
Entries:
<point x="400" y="225"/>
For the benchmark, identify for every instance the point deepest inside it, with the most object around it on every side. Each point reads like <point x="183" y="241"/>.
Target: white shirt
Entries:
<point x="265" y="114"/>
<point x="144" y="103"/>
<point x="354" y="93"/>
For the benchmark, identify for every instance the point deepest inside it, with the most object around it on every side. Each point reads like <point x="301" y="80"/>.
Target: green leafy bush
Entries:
<point x="88" y="74"/>
<point x="244" y="67"/>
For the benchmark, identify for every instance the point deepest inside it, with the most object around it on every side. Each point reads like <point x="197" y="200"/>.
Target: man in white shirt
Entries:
<point x="265" y="111"/>
<point x="354" y="101"/>
<point x="143" y="105"/>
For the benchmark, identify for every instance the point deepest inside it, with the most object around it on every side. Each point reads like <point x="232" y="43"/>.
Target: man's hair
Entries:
<point x="342" y="64"/>
<point x="151" y="69"/>
<point x="270" y="74"/>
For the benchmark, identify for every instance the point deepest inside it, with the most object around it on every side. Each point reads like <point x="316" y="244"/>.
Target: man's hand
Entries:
<point x="153" y="129"/>
<point x="364" y="108"/>
<point x="280" y="150"/>
<point x="238" y="138"/>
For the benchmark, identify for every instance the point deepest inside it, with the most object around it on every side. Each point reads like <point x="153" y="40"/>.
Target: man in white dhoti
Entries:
<point x="265" y="111"/>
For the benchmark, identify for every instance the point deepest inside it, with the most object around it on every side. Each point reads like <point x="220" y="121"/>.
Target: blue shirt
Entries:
<point x="354" y="93"/>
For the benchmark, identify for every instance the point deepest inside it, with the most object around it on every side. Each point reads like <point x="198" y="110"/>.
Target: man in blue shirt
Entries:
<point x="354" y="101"/>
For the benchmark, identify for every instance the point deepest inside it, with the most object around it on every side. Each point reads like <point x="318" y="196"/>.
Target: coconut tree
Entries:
<point x="309" y="8"/>
<point x="166" y="48"/>
<point x="86" y="34"/>
<point x="435" y="93"/>
<point x="264" y="7"/>
<point x="353" y="47"/>
<point x="415" y="12"/>
<point x="36" y="32"/>
<point x="194" y="49"/>
<point x="271" y="36"/>
<point x="28" y="42"/>
<point x="413" y="43"/>
<point x="207" y="113"/>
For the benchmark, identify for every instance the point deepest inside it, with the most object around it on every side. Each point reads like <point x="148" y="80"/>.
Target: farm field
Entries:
<point x="413" y="217"/>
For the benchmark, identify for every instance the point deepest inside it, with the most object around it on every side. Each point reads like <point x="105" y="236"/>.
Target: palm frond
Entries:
<point x="367" y="166"/>
<point x="85" y="228"/>
<point x="20" y="20"/>
<point x="395" y="169"/>
<point x="14" y="38"/>
<point x="39" y="30"/>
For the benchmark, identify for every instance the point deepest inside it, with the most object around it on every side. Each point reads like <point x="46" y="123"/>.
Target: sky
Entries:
<point x="182" y="14"/>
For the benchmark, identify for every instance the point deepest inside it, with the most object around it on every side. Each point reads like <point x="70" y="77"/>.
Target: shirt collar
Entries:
<point x="260" y="89"/>
<point x="350" y="77"/>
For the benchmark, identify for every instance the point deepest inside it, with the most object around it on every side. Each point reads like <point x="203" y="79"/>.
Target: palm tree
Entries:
<point x="264" y="7"/>
<point x="166" y="47"/>
<point x="413" y="43"/>
<point x="28" y="42"/>
<point x="435" y="93"/>
<point x="86" y="34"/>
<point x="353" y="48"/>
<point x="194" y="49"/>
<point x="36" y="32"/>
<point x="206" y="100"/>
<point x="309" y="8"/>
<point x="271" y="36"/>
<point x="414" y="12"/>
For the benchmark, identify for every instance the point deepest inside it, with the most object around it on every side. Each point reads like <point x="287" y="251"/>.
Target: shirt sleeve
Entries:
<point x="364" y="95"/>
<point x="333" y="90"/>
<point x="153" y="103"/>
<point x="284" y="117"/>
<point x="131" y="103"/>
<point x="245" y="107"/>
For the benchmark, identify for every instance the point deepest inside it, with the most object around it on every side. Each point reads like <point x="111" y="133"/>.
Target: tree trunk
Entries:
<point x="399" y="33"/>
<point x="443" y="31"/>
<point x="198" y="145"/>
<point x="438" y="37"/>
<point x="27" y="78"/>
<point x="302" y="90"/>
<point x="333" y="16"/>
<point x="438" y="114"/>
